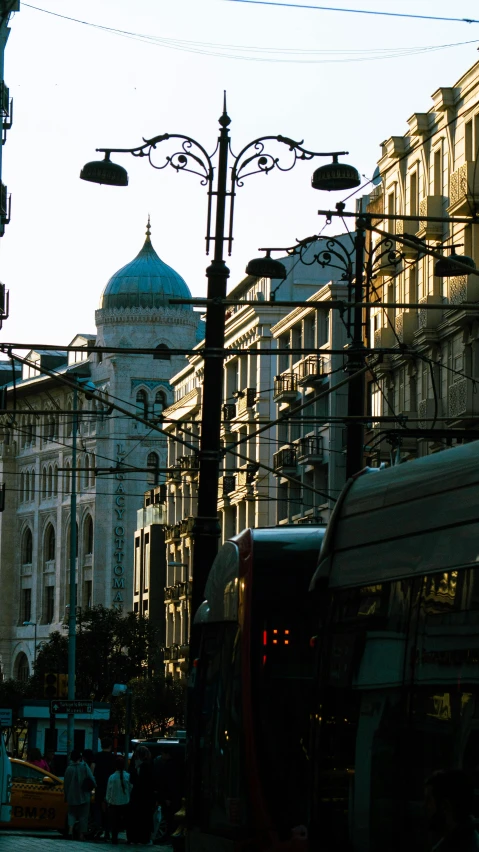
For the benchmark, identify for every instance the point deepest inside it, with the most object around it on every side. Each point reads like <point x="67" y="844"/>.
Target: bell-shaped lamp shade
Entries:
<point x="448" y="268"/>
<point x="266" y="267"/>
<point x="335" y="176"/>
<point x="104" y="171"/>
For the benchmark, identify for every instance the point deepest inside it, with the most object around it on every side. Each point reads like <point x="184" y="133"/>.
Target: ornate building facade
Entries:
<point x="36" y="456"/>
<point x="432" y="171"/>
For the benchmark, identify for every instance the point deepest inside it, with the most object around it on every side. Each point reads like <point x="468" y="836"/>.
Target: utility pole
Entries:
<point x="356" y="359"/>
<point x="73" y="557"/>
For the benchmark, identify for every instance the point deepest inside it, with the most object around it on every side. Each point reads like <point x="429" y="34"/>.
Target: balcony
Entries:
<point x="229" y="412"/>
<point x="172" y="593"/>
<point x="406" y="325"/>
<point x="430" y="319"/>
<point x="431" y="205"/>
<point x="246" y="400"/>
<point x="407" y="228"/>
<point x="186" y="526"/>
<point x="462" y="401"/>
<point x="174" y="474"/>
<point x="172" y="533"/>
<point x="184" y="590"/>
<point x="464" y="190"/>
<point x="310" y="370"/>
<point x="229" y="484"/>
<point x="426" y="411"/>
<point x="285" y="387"/>
<point x="310" y="449"/>
<point x="284" y="461"/>
<point x="386" y="267"/>
<point x="384" y="338"/>
<point x="463" y="288"/>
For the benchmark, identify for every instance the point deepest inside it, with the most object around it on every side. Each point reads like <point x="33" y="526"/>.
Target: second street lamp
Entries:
<point x="222" y="180"/>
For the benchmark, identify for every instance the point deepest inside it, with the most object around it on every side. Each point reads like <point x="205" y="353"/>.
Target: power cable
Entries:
<point x="355" y="11"/>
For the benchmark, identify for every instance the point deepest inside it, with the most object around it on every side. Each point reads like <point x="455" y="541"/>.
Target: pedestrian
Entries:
<point x="168" y="786"/>
<point x="142" y="798"/>
<point x="104" y="763"/>
<point x="35" y="756"/>
<point x="449" y="798"/>
<point x="89" y="759"/>
<point x="117" y="797"/>
<point x="78" y="784"/>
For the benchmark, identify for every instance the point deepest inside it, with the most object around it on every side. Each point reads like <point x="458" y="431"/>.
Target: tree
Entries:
<point x="157" y="702"/>
<point x="111" y="648"/>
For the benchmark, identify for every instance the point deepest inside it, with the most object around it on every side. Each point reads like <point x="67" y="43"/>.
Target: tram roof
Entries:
<point x="417" y="518"/>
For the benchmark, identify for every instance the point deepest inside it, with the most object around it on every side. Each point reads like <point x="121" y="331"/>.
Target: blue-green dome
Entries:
<point x="145" y="282"/>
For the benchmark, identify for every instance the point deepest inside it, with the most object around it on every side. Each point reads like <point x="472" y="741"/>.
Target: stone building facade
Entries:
<point x="36" y="456"/>
<point x="248" y="492"/>
<point x="431" y="171"/>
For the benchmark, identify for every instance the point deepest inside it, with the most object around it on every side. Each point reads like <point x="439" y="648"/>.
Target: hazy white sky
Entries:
<point x="76" y="88"/>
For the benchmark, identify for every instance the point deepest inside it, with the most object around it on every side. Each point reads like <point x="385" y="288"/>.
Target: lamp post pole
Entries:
<point x="73" y="556"/>
<point x="356" y="359"/>
<point x="253" y="158"/>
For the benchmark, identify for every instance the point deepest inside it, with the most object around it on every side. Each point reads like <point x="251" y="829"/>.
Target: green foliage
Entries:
<point x="110" y="648"/>
<point x="156" y="703"/>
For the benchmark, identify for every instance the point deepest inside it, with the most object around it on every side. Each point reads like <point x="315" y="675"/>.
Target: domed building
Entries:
<point x="36" y="456"/>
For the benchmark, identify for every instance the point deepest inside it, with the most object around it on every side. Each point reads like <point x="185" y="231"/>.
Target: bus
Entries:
<point x="396" y="693"/>
<point x="249" y="722"/>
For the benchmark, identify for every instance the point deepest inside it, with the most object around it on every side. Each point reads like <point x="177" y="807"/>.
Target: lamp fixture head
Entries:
<point x="335" y="175"/>
<point x="104" y="171"/>
<point x="266" y="267"/>
<point x="447" y="268"/>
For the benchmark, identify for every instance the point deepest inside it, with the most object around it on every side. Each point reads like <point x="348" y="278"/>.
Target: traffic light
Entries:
<point x="55" y="685"/>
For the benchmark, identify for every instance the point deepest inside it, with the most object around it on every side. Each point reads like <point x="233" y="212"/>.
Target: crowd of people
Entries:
<point x="123" y="799"/>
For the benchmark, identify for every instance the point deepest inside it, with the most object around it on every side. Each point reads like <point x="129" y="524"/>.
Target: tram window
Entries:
<point x="362" y="603"/>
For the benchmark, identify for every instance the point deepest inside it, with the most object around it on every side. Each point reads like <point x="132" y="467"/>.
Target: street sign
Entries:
<point x="5" y="717"/>
<point x="71" y="706"/>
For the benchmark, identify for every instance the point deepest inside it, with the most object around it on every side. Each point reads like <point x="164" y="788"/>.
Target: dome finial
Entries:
<point x="148" y="229"/>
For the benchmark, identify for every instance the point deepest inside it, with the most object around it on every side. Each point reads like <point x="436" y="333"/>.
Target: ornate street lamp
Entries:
<point x="447" y="268"/>
<point x="221" y="181"/>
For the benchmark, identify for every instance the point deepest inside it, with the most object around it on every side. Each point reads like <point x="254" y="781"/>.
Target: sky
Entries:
<point x="338" y="80"/>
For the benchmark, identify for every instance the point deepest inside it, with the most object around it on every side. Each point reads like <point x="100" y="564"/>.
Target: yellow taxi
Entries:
<point x="37" y="798"/>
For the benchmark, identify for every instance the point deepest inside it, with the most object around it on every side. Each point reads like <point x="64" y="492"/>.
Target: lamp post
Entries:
<point x="222" y="181"/>
<point x="34" y="625"/>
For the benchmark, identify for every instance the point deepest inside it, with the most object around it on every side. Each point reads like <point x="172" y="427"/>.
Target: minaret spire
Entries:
<point x="148" y="230"/>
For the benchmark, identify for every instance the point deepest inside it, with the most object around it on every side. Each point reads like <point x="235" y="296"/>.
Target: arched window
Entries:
<point x="69" y="419"/>
<point x="30" y="432"/>
<point x="88" y="535"/>
<point x="92" y="470"/>
<point x="55" y="480"/>
<point x="142" y="403"/>
<point x="22" y="668"/>
<point x="86" y="472"/>
<point x="50" y="481"/>
<point x="44" y="482"/>
<point x="22" y="487"/>
<point x="50" y="544"/>
<point x="23" y="432"/>
<point x="68" y="484"/>
<point x="27" y="547"/>
<point x="153" y="462"/>
<point x="162" y="353"/>
<point x="159" y="404"/>
<point x="27" y="486"/>
<point x="32" y="485"/>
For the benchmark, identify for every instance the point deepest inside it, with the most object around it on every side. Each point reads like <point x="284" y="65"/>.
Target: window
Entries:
<point x="22" y="487"/>
<point x="50" y="544"/>
<point x="67" y="478"/>
<point x="468" y="140"/>
<point x="146" y="571"/>
<point x="49" y="604"/>
<point x="437" y="172"/>
<point x="87" y="594"/>
<point x="413" y="196"/>
<point x="27" y="547"/>
<point x="88" y="536"/>
<point x="55" y="480"/>
<point x="142" y="403"/>
<point x="153" y="462"/>
<point x="86" y="472"/>
<point x="44" y="482"/>
<point x="159" y="404"/>
<point x="50" y="481"/>
<point x="27" y="486"/>
<point x="32" y="482"/>
<point x="162" y="353"/>
<point x="392" y="211"/>
<point x="23" y="669"/>
<point x="26" y="605"/>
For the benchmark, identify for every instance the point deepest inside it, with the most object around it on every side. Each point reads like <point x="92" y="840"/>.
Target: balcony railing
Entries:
<point x="310" y="369"/>
<point x="174" y="474"/>
<point x="186" y="526"/>
<point x="229" y="411"/>
<point x="431" y="205"/>
<point x="310" y="449"/>
<point x="172" y="533"/>
<point x="188" y="462"/>
<point x="172" y="593"/>
<point x="285" y="387"/>
<point x="285" y="459"/>
<point x="229" y="484"/>
<point x="464" y="189"/>
<point x="246" y="400"/>
<point x="184" y="589"/>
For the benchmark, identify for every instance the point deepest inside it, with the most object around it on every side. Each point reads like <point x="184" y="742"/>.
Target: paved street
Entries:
<point x="43" y="841"/>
